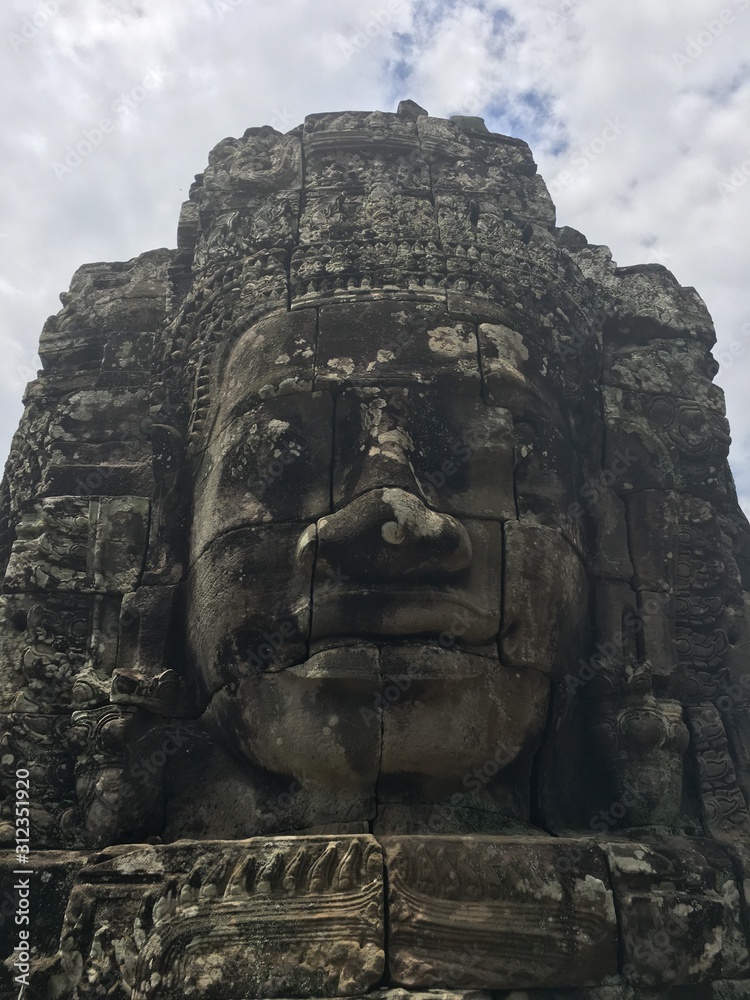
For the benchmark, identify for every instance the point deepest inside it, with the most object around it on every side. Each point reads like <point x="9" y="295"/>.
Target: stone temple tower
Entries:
<point x="374" y="615"/>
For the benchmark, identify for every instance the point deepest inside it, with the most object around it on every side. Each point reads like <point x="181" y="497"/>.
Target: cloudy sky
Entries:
<point x="638" y="113"/>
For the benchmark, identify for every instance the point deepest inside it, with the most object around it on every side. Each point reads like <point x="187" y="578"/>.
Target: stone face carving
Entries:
<point x="374" y="609"/>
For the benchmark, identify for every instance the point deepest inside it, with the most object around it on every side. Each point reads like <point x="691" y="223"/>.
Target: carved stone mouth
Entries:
<point x="392" y="610"/>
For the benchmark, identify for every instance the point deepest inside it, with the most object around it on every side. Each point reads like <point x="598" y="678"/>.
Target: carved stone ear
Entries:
<point x="142" y="676"/>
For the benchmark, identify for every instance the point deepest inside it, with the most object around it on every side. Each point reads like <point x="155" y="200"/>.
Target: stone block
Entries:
<point x="248" y="603"/>
<point x="679" y="910"/>
<point x="349" y="272"/>
<point x="338" y="215"/>
<point x="144" y="674"/>
<point x="100" y="479"/>
<point x="611" y="554"/>
<point x="43" y="648"/>
<point x="467" y="466"/>
<point x="498" y="913"/>
<point x="308" y="721"/>
<point x="216" y="919"/>
<point x="671" y="443"/>
<point x="447" y="447"/>
<point x="116" y="297"/>
<point x="365" y="586"/>
<point x="76" y="544"/>
<point x="273" y="358"/>
<point x="681" y="367"/>
<point x="654" y="521"/>
<point x="46" y="882"/>
<point x="247" y="173"/>
<point x="39" y="744"/>
<point x="272" y="466"/>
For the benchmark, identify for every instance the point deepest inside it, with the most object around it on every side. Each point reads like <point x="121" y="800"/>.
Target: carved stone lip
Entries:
<point x="396" y="611"/>
<point x="422" y="658"/>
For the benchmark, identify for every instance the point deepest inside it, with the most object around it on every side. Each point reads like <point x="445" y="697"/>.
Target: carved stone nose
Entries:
<point x="388" y="534"/>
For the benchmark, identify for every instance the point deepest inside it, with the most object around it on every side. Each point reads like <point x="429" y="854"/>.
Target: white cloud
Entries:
<point x="552" y="71"/>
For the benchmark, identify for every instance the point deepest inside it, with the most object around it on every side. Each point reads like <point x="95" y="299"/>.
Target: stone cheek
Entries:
<point x="244" y="589"/>
<point x="545" y="599"/>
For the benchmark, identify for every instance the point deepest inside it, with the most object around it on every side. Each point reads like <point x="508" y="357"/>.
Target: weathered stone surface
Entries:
<point x="672" y="443"/>
<point x="80" y="545"/>
<point x="679" y="909"/>
<point x="438" y="690"/>
<point x="147" y="917"/>
<point x="249" y="604"/>
<point x="46" y="883"/>
<point x="394" y="568"/>
<point x="379" y="507"/>
<point x="144" y="674"/>
<point x="305" y="721"/>
<point x="541" y="619"/>
<point x="506" y="912"/>
<point x="394" y="342"/>
<point x="267" y="468"/>
<point x="276" y="357"/>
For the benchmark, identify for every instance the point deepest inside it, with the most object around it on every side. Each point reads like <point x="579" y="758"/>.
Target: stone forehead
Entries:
<point x="387" y="342"/>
